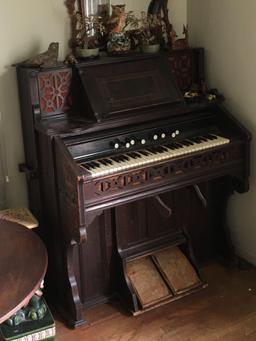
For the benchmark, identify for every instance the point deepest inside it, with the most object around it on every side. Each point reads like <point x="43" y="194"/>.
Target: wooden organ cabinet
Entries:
<point x="130" y="183"/>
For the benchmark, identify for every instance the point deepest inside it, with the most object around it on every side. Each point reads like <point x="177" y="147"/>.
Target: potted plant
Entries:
<point x="88" y="33"/>
<point x="151" y="33"/>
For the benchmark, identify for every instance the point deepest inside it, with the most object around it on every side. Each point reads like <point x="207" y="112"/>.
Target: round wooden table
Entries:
<point x="23" y="264"/>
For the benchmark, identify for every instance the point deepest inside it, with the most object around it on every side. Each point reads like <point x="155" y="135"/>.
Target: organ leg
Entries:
<point x="71" y="292"/>
<point x="221" y="191"/>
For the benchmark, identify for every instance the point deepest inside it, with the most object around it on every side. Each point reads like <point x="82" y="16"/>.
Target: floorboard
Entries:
<point x="226" y="310"/>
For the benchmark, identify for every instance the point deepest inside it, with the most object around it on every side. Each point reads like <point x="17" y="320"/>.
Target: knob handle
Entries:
<point x="116" y="144"/>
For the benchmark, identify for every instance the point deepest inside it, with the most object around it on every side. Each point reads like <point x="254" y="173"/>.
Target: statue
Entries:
<point x="117" y="20"/>
<point x="180" y="43"/>
<point x="46" y="59"/>
<point x="119" y="41"/>
<point x="34" y="310"/>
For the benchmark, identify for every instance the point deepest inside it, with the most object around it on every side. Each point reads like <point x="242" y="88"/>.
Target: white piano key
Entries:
<point x="154" y="156"/>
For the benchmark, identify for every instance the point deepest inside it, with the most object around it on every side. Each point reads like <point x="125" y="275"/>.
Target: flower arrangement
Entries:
<point x="88" y="31"/>
<point x="152" y="30"/>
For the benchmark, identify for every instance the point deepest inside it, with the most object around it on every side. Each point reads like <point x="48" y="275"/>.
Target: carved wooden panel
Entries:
<point x="160" y="173"/>
<point x="181" y="65"/>
<point x="144" y="221"/>
<point x="54" y="91"/>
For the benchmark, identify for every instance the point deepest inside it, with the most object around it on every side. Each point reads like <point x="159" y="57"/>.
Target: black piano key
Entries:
<point x="175" y="145"/>
<point x="134" y="155"/>
<point x="96" y="164"/>
<point x="189" y="142"/>
<point x="122" y="158"/>
<point x="144" y="152"/>
<point x="115" y="158"/>
<point x="185" y="143"/>
<point x="164" y="149"/>
<point x="151" y="150"/>
<point x="171" y="146"/>
<point x="86" y="166"/>
<point x="108" y="161"/>
<point x="210" y="137"/>
<point x="160" y="149"/>
<point x="125" y="158"/>
<point x="119" y="158"/>
<point x="103" y="162"/>
<point x="91" y="165"/>
<point x="203" y="138"/>
<point x="196" y="139"/>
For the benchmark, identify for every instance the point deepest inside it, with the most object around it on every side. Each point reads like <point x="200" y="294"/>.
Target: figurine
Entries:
<point x="119" y="41"/>
<point x="71" y="59"/>
<point x="180" y="43"/>
<point x="35" y="309"/>
<point x="46" y="59"/>
<point x="117" y="20"/>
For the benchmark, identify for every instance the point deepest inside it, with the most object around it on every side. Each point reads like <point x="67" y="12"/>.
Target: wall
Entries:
<point x="27" y="27"/>
<point x="177" y="10"/>
<point x="226" y="28"/>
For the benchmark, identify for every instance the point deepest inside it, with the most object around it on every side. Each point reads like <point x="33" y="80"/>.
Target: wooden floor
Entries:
<point x="226" y="310"/>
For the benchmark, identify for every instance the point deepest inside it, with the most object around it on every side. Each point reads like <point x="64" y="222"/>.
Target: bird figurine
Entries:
<point x="46" y="59"/>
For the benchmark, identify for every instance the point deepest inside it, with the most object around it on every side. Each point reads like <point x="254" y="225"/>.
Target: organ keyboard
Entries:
<point x="119" y="168"/>
<point x="152" y="155"/>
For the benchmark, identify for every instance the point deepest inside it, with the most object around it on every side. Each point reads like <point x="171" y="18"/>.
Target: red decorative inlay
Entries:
<point x="54" y="91"/>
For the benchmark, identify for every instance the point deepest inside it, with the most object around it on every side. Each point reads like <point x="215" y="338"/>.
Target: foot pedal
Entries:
<point x="161" y="277"/>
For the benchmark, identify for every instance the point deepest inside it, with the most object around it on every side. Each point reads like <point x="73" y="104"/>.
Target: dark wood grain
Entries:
<point x="92" y="227"/>
<point x="226" y="310"/>
<point x="23" y="264"/>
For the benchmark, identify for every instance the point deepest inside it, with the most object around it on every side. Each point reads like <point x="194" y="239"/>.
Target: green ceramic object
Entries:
<point x="118" y="44"/>
<point x="150" y="48"/>
<point x="39" y="326"/>
<point x="87" y="53"/>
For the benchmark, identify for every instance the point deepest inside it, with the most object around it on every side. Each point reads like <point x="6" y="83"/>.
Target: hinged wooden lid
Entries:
<point x="126" y="86"/>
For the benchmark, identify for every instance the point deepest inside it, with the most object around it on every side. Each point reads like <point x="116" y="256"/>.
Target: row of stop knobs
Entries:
<point x="130" y="143"/>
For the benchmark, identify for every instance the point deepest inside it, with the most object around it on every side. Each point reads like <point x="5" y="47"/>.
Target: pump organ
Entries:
<point x="120" y="167"/>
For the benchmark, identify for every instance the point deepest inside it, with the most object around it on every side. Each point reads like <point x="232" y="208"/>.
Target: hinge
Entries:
<point x="36" y="111"/>
<point x="30" y="173"/>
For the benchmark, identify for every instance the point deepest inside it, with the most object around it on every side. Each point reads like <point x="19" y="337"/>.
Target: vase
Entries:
<point x="95" y="7"/>
<point x="118" y="44"/>
<point x="155" y="48"/>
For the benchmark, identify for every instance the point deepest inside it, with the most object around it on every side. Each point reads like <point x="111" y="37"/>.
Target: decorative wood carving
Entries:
<point x="54" y="91"/>
<point x="167" y="171"/>
<point x="181" y="65"/>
